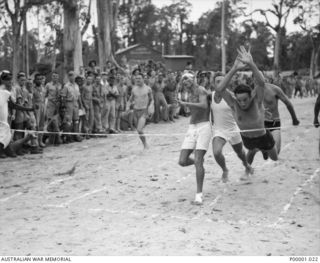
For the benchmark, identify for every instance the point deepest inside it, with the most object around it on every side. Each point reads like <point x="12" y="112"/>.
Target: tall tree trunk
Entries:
<point x="16" y="26"/>
<point x="54" y="55"/>
<point x="316" y="60"/>
<point x="26" y="47"/>
<point x="72" y="43"/>
<point x="276" y="64"/>
<point x="104" y="32"/>
<point x="312" y="63"/>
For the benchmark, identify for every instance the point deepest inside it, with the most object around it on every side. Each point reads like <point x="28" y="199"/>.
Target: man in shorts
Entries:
<point x="272" y="94"/>
<point x="226" y="129"/>
<point x="198" y="136"/>
<point x="140" y="100"/>
<point x="248" y="109"/>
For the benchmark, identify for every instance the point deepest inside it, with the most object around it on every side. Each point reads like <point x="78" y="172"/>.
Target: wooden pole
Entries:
<point x="223" y="48"/>
<point x="26" y="46"/>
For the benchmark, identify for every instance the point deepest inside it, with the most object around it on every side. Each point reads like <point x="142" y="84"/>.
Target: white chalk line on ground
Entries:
<point x="65" y="204"/>
<point x="296" y="192"/>
<point x="10" y="197"/>
<point x="182" y="218"/>
<point x="268" y="162"/>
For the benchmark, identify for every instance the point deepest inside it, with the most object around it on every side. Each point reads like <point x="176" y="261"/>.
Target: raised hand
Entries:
<point x="238" y="65"/>
<point x="244" y="56"/>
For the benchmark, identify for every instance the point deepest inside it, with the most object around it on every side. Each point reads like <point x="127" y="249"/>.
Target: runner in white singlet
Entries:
<point x="226" y="129"/>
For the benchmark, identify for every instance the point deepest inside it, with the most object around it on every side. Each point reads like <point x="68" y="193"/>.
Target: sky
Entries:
<point x="198" y="8"/>
<point x="201" y="6"/>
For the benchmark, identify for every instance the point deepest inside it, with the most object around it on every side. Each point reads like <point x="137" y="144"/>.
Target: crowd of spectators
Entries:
<point x="94" y="103"/>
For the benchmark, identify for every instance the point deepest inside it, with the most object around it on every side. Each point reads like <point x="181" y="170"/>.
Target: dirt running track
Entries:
<point x="123" y="201"/>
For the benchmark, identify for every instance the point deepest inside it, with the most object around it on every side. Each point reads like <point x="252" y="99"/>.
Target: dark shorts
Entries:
<point x="264" y="142"/>
<point x="272" y="125"/>
<point x="139" y="114"/>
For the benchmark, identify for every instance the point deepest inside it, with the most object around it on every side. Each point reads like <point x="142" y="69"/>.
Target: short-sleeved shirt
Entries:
<point x="53" y="91"/>
<point x="70" y="92"/>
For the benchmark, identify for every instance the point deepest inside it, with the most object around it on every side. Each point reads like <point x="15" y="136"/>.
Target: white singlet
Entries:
<point x="224" y="125"/>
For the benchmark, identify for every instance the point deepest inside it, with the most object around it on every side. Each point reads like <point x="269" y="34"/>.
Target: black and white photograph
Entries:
<point x="151" y="128"/>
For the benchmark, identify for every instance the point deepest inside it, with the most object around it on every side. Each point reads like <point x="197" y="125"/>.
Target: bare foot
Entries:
<point x="146" y="147"/>
<point x="249" y="170"/>
<point x="225" y="177"/>
<point x="244" y="177"/>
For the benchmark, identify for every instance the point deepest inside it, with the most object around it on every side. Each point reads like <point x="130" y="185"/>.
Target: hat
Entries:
<point x="6" y="75"/>
<point x="21" y="74"/>
<point x="187" y="76"/>
<point x="136" y="70"/>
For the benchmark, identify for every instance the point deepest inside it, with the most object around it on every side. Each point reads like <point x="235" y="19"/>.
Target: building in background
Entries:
<point x="140" y="53"/>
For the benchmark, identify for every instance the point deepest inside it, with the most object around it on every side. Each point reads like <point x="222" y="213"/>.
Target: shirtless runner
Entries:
<point x="140" y="100"/>
<point x="225" y="129"/>
<point x="199" y="133"/>
<point x="272" y="94"/>
<point x="248" y="109"/>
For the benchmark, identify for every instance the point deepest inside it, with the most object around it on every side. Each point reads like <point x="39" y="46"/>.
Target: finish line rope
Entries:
<point x="145" y="134"/>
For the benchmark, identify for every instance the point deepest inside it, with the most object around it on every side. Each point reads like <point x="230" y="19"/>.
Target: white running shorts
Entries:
<point x="198" y="137"/>
<point x="233" y="137"/>
<point x="5" y="134"/>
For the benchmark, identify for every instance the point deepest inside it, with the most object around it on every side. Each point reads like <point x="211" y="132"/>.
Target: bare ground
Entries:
<point x="121" y="200"/>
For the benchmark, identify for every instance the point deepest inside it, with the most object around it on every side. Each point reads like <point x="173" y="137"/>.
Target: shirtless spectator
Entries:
<point x="297" y="85"/>
<point x="159" y="99"/>
<point x="140" y="100"/>
<point x="171" y="95"/>
<point x="39" y="105"/>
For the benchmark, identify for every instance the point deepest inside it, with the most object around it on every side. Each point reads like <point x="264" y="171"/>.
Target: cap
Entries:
<point x="21" y="74"/>
<point x="6" y="75"/>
